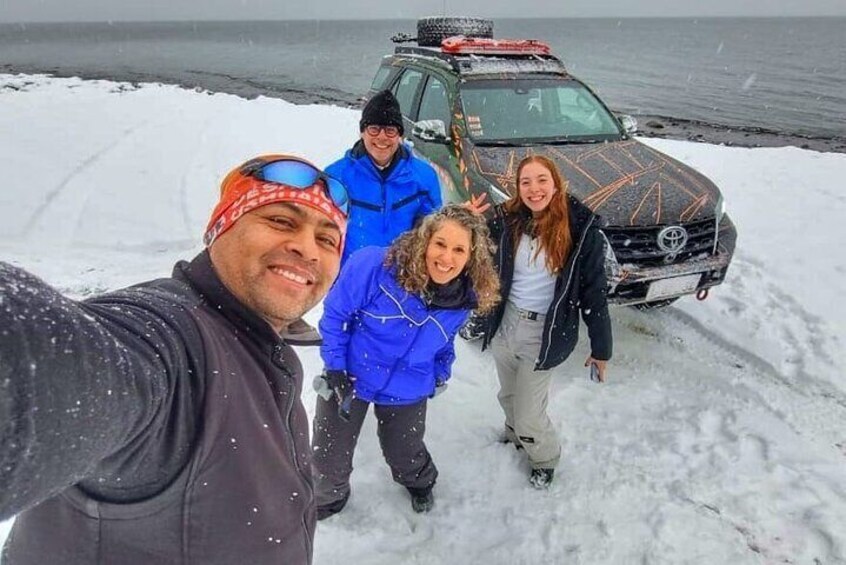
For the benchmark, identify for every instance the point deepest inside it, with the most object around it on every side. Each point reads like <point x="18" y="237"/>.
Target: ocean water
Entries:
<point x="780" y="74"/>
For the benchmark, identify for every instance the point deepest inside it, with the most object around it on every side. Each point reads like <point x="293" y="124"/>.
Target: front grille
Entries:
<point x="639" y="245"/>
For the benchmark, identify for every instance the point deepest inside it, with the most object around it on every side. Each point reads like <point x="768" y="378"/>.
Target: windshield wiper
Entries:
<point x="535" y="142"/>
<point x="573" y="140"/>
<point x="500" y="143"/>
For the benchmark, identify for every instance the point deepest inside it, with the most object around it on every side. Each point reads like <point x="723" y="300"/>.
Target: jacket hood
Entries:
<point x="626" y="182"/>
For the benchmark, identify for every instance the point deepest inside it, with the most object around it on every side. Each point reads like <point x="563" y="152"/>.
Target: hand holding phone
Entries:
<point x="597" y="369"/>
<point x="594" y="373"/>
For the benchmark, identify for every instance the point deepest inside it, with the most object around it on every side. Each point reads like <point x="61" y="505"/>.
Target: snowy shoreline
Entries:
<point x="661" y="127"/>
<point x="719" y="438"/>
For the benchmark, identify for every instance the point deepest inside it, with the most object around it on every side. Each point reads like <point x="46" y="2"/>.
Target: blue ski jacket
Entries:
<point x="383" y="208"/>
<point x="396" y="345"/>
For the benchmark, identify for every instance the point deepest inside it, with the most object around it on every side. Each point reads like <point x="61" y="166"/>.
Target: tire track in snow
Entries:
<point x="184" y="209"/>
<point x="823" y="396"/>
<point x="800" y="375"/>
<point x="61" y="188"/>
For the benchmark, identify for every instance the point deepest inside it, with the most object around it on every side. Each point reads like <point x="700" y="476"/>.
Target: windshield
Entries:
<point x="515" y="112"/>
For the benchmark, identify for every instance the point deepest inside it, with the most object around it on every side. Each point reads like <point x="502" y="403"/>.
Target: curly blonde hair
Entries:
<point x="408" y="255"/>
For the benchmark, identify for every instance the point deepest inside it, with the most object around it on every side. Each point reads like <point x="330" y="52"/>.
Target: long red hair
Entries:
<point x="552" y="226"/>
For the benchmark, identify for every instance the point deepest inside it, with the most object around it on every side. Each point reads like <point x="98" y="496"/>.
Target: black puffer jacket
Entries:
<point x="581" y="286"/>
<point x="157" y="424"/>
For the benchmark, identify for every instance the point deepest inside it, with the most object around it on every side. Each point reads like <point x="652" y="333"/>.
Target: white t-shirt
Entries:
<point x="533" y="287"/>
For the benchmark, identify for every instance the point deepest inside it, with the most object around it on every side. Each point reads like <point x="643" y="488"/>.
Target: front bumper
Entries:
<point x="629" y="284"/>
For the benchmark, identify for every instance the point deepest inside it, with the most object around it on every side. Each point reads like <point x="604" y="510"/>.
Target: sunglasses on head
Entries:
<point x="390" y="131"/>
<point x="298" y="174"/>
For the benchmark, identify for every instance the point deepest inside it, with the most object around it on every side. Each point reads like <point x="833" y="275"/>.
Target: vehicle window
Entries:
<point x="535" y="110"/>
<point x="405" y="90"/>
<point x="380" y="78"/>
<point x="434" y="105"/>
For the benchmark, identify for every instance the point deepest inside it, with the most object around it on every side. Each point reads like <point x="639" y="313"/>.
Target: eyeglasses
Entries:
<point x="298" y="174"/>
<point x="390" y="131"/>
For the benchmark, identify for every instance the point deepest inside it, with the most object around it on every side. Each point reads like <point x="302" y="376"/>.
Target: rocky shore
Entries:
<point x="673" y="128"/>
<point x="648" y="125"/>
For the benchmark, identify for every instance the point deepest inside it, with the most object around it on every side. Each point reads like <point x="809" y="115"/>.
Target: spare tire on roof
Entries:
<point x="431" y="31"/>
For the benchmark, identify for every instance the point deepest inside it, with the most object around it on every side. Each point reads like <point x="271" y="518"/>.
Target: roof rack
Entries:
<point x="480" y="63"/>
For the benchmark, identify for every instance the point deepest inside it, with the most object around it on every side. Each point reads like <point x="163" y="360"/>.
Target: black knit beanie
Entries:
<point x="382" y="110"/>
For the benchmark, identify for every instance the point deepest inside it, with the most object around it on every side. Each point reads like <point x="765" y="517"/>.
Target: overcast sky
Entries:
<point x="148" y="10"/>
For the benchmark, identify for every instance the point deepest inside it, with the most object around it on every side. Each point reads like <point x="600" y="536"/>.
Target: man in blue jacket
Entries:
<point x="390" y="189"/>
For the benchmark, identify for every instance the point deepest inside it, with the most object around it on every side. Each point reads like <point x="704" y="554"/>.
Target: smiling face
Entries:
<point x="279" y="260"/>
<point x="536" y="186"/>
<point x="381" y="147"/>
<point x="448" y="252"/>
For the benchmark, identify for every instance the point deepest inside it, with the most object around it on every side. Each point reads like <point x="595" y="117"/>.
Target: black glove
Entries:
<point x="341" y="385"/>
<point x="338" y="382"/>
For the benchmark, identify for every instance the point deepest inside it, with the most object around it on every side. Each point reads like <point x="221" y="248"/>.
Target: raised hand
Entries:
<point x="477" y="204"/>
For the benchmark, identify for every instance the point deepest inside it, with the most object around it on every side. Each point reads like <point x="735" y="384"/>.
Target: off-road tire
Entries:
<point x="431" y="31"/>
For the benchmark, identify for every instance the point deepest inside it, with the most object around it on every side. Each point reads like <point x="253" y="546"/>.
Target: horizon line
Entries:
<point x="386" y="19"/>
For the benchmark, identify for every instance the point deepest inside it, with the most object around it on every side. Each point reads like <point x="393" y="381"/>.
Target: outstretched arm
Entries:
<point x="77" y="383"/>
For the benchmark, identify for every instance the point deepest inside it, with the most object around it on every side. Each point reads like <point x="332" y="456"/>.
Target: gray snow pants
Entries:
<point x="400" y="430"/>
<point x="524" y="392"/>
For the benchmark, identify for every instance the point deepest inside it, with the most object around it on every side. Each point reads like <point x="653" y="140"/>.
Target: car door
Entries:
<point x="424" y="99"/>
<point x="406" y="89"/>
<point x="432" y="136"/>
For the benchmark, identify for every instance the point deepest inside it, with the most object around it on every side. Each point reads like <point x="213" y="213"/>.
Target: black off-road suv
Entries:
<point x="474" y="107"/>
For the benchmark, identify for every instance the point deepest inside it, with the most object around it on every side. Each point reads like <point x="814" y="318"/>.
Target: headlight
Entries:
<point x="720" y="208"/>
<point x="719" y="212"/>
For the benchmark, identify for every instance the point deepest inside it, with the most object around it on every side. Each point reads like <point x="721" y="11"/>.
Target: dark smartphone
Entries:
<point x="345" y="405"/>
<point x="594" y="372"/>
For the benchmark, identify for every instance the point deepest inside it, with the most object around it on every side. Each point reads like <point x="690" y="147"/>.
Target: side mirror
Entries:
<point x="629" y="123"/>
<point x="430" y="130"/>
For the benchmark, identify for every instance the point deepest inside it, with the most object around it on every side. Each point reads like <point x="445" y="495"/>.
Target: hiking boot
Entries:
<point x="332" y="508"/>
<point x="422" y="499"/>
<point x="299" y="332"/>
<point x="541" y="479"/>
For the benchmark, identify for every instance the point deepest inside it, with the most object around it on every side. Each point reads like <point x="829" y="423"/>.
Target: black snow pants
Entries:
<point x="400" y="430"/>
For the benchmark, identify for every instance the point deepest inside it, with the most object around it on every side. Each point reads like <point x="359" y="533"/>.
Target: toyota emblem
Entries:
<point x="672" y="239"/>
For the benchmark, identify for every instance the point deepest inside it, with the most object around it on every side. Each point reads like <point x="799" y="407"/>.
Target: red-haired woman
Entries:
<point x="550" y="260"/>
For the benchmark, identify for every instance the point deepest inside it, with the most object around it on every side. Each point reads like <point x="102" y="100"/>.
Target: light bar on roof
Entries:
<point x="477" y="46"/>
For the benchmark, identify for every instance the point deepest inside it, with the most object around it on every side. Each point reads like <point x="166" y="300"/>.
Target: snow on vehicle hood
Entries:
<point x="626" y="182"/>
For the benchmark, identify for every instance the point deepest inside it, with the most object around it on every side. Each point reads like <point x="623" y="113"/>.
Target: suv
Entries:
<point x="475" y="107"/>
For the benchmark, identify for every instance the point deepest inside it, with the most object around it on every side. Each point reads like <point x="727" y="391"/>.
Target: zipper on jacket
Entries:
<point x="385" y="211"/>
<point x="488" y="338"/>
<point x="564" y="294"/>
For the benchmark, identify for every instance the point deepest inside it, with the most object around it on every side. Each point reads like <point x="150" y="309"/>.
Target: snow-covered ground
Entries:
<point x="720" y="438"/>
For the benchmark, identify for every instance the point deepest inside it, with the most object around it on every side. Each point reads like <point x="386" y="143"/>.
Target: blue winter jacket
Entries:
<point x="394" y="345"/>
<point x="382" y="209"/>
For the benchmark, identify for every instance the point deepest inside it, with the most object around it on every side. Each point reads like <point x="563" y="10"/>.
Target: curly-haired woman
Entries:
<point x="388" y="328"/>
